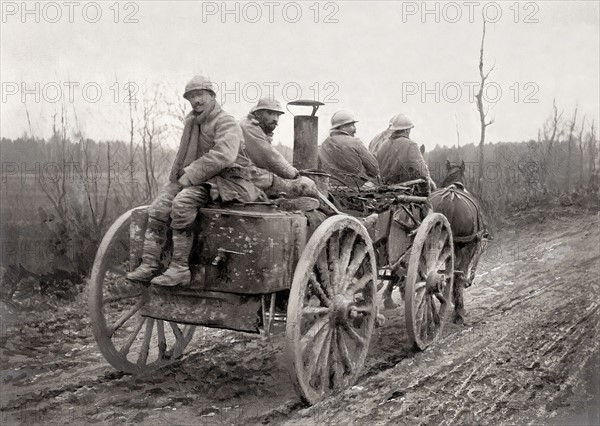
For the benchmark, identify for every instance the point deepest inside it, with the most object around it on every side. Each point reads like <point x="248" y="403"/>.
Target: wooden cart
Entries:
<point x="254" y="265"/>
<point x="257" y="265"/>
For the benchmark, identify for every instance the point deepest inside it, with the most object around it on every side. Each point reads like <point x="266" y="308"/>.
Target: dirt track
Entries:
<point x="528" y="354"/>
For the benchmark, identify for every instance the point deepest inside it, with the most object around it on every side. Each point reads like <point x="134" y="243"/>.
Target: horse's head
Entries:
<point x="454" y="173"/>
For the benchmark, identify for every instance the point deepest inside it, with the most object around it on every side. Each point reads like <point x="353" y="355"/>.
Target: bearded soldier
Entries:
<point x="279" y="175"/>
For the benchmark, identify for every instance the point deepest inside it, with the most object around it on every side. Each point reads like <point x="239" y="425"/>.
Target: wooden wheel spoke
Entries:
<point x="128" y="314"/>
<point x="325" y="370"/>
<point x="360" y="253"/>
<point x="444" y="237"/>
<point x="324" y="275"/>
<point x="435" y="313"/>
<point x="318" y="290"/>
<point x="180" y="341"/>
<point x="364" y="309"/>
<point x="358" y="284"/>
<point x="354" y="335"/>
<point x="312" y="333"/>
<point x="319" y="346"/>
<point x="334" y="260"/>
<point x="444" y="255"/>
<point x="422" y="270"/>
<point x="162" y="341"/>
<point x="127" y="345"/>
<point x="344" y="354"/>
<point x="431" y="258"/>
<point x="120" y="298"/>
<point x="424" y="313"/>
<point x="176" y="330"/>
<point x="430" y="315"/>
<point x="145" y="349"/>
<point x="346" y="252"/>
<point x="315" y="310"/>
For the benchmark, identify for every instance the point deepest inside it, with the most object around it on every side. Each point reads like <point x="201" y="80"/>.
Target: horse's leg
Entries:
<point x="388" y="302"/>
<point x="475" y="262"/>
<point x="459" y="286"/>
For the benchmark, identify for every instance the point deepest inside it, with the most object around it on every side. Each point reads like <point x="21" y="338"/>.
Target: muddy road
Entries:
<point x="528" y="354"/>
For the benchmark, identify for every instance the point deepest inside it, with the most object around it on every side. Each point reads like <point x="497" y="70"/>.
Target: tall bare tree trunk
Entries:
<point x="131" y="152"/>
<point x="569" y="144"/>
<point x="581" y="144"/>
<point x="556" y="133"/>
<point x="482" y="113"/>
<point x="592" y="150"/>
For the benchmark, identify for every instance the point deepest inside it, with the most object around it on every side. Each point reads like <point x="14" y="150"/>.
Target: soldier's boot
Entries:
<point x="179" y="270"/>
<point x="154" y="241"/>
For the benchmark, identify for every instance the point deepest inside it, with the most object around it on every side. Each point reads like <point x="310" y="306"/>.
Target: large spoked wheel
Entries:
<point x="332" y="308"/>
<point x="429" y="280"/>
<point x="129" y="341"/>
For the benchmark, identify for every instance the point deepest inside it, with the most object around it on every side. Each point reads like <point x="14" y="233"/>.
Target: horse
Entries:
<point x="469" y="231"/>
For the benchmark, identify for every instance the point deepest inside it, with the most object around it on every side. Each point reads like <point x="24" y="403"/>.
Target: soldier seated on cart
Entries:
<point x="400" y="159"/>
<point x="277" y="174"/>
<point x="345" y="157"/>
<point x="209" y="165"/>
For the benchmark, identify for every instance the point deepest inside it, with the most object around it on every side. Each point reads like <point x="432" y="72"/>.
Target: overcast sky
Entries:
<point x="373" y="58"/>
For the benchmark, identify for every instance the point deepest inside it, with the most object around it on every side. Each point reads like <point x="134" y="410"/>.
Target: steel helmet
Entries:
<point x="267" y="103"/>
<point x="198" y="82"/>
<point x="401" y="122"/>
<point x="341" y="118"/>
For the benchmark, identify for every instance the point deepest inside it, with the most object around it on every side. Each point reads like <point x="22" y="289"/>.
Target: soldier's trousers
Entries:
<point x="179" y="204"/>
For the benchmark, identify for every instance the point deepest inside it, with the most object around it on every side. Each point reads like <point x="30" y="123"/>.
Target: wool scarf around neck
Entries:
<point x="190" y="139"/>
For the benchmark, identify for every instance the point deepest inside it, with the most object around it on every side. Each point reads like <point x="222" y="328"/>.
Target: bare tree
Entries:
<point x="592" y="153"/>
<point x="457" y="132"/>
<point x="28" y="121"/>
<point x="151" y="129"/>
<point x="131" y="151"/>
<point x="581" y="144"/>
<point x="482" y="114"/>
<point x="176" y="109"/>
<point x="55" y="189"/>
<point x="569" y="145"/>
<point x="552" y="132"/>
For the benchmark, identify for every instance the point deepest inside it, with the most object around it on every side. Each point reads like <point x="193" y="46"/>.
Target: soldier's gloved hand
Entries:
<point x="306" y="187"/>
<point x="185" y="181"/>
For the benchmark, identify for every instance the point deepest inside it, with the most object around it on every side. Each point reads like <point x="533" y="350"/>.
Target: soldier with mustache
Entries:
<point x="210" y="165"/>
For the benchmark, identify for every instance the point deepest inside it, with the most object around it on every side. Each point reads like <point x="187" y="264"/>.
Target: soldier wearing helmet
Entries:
<point x="276" y="174"/>
<point x="209" y="166"/>
<point x="344" y="156"/>
<point x="381" y="137"/>
<point x="400" y="158"/>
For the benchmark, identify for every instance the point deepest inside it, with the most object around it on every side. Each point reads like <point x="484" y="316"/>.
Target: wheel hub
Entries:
<point x="434" y="281"/>
<point x="343" y="308"/>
